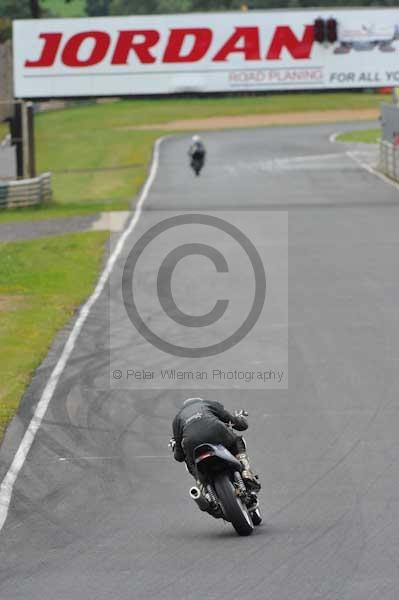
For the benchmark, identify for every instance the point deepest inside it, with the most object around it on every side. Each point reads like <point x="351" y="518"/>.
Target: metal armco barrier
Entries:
<point x="389" y="160"/>
<point x="389" y="122"/>
<point x="389" y="145"/>
<point x="26" y="192"/>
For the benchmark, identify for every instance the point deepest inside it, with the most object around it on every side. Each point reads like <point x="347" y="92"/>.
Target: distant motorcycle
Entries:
<point x="222" y="491"/>
<point x="197" y="154"/>
<point x="197" y="162"/>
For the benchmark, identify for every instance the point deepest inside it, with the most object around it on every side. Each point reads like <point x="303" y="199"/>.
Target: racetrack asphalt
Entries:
<point x="101" y="511"/>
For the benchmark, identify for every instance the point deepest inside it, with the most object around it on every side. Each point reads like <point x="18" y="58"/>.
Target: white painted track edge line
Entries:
<point x="333" y="137"/>
<point x="7" y="485"/>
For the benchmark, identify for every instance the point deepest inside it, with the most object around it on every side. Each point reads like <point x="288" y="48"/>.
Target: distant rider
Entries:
<point x="204" y="421"/>
<point x="197" y="150"/>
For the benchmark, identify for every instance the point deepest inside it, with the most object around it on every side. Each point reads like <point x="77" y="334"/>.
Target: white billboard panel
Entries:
<point x="204" y="52"/>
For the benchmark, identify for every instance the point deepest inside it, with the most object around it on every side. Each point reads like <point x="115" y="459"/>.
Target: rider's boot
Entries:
<point x="248" y="476"/>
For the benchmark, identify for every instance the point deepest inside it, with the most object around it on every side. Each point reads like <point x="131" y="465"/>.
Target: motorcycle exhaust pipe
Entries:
<point x="199" y="499"/>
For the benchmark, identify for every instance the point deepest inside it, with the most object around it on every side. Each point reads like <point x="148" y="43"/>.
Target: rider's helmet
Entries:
<point x="195" y="139"/>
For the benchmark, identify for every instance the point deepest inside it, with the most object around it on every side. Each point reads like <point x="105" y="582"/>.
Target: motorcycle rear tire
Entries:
<point x="234" y="510"/>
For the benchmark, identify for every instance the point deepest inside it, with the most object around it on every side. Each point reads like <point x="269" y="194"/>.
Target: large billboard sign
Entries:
<point x="207" y="52"/>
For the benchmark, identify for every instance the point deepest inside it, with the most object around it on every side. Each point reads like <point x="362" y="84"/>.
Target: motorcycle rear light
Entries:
<point x="206" y="455"/>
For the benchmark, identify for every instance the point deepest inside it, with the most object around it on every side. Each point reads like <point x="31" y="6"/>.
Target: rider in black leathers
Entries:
<point x="197" y="151"/>
<point x="204" y="421"/>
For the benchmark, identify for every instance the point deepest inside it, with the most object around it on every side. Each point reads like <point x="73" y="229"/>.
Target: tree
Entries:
<point x="35" y="9"/>
<point x="174" y="6"/>
<point x="216" y="5"/>
<point x="15" y="9"/>
<point x="133" y="7"/>
<point x="24" y="9"/>
<point x="97" y="8"/>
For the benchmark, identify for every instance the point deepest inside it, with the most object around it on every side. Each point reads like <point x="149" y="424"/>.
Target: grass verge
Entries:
<point x="99" y="161"/>
<point x="42" y="282"/>
<point x="366" y="136"/>
<point x="3" y="131"/>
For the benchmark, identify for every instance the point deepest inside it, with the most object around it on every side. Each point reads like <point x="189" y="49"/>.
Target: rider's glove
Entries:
<point x="241" y="413"/>
<point x="240" y="422"/>
<point x="172" y="444"/>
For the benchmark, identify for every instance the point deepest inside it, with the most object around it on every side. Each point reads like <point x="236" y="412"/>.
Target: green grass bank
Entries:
<point x="366" y="136"/>
<point x="42" y="282"/>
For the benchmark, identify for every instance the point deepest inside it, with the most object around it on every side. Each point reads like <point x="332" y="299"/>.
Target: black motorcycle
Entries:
<point x="197" y="162"/>
<point x="223" y="492"/>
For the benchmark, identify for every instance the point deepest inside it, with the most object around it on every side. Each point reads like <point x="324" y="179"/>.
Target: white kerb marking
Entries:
<point x="7" y="485"/>
<point x="333" y="137"/>
<point x="354" y="156"/>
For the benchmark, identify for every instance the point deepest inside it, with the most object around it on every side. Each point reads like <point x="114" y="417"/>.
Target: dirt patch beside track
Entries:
<point x="10" y="302"/>
<point x="294" y="118"/>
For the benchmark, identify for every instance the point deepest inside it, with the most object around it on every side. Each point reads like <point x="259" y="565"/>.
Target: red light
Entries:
<point x="331" y="30"/>
<point x="319" y="30"/>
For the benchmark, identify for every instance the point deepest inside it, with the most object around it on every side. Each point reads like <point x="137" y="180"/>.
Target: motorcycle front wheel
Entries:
<point x="234" y="510"/>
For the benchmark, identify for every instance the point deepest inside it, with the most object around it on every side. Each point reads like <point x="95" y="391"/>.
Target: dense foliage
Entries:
<point x="19" y="9"/>
<point x="118" y="7"/>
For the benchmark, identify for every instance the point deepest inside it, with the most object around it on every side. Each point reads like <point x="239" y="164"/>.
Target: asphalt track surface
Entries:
<point x="103" y="523"/>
